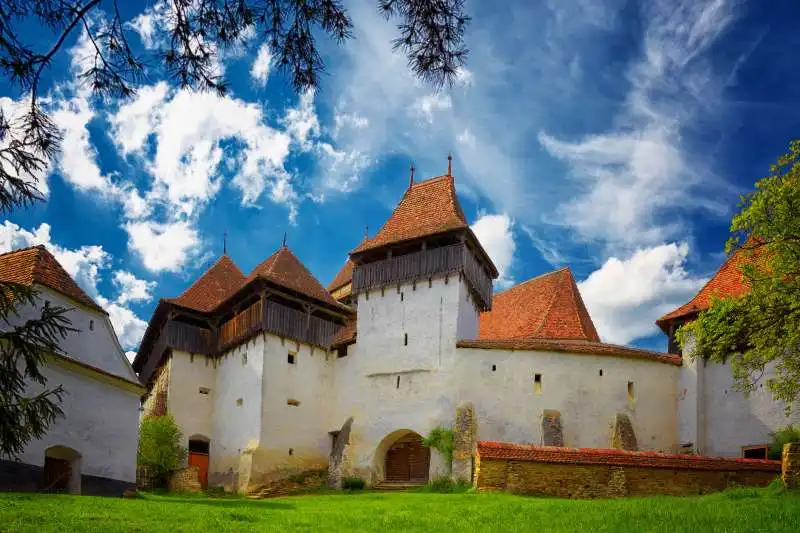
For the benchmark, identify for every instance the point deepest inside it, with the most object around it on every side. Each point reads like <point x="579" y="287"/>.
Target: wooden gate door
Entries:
<point x="56" y="474"/>
<point x="200" y="460"/>
<point x="407" y="460"/>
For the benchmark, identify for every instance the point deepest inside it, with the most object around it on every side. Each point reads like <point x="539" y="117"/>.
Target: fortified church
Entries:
<point x="270" y="373"/>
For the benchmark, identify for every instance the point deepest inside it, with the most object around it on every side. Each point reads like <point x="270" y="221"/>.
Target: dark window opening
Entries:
<point x="198" y="446"/>
<point x="401" y="296"/>
<point x="630" y="391"/>
<point x="405" y="339"/>
<point x="537" y="383"/>
<point x="291" y="358"/>
<point x="397" y="386"/>
<point x="494" y="367"/>
<point x="754" y="452"/>
<point x="601" y="372"/>
<point x="341" y="351"/>
<point x="204" y="390"/>
<point x="291" y="451"/>
<point x="91" y="325"/>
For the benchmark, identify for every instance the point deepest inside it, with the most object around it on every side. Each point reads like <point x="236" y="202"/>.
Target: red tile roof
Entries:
<point x="728" y="281"/>
<point x="346" y="335"/>
<point x="37" y="265"/>
<point x="212" y="288"/>
<point x="488" y="450"/>
<point x="427" y="208"/>
<point x="286" y="270"/>
<point x="545" y="307"/>
<point x="343" y="277"/>
<point x="569" y="346"/>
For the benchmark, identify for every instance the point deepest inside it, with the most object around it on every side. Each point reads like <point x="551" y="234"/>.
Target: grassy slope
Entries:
<point x="742" y="510"/>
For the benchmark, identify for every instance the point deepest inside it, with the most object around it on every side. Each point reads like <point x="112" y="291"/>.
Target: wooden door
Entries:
<point x="407" y="460"/>
<point x="56" y="474"/>
<point x="200" y="460"/>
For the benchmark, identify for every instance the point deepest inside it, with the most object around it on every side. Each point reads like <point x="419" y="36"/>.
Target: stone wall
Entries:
<point x="185" y="480"/>
<point x="790" y="471"/>
<point x="595" y="473"/>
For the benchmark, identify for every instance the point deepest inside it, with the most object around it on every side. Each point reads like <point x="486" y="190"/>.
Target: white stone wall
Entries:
<point x="193" y="411"/>
<point x="100" y="423"/>
<point x="96" y="345"/>
<point x="507" y="407"/>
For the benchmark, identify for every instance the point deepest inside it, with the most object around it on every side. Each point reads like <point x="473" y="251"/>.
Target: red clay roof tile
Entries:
<point x="343" y="277"/>
<point x="286" y="270"/>
<point x="545" y="307"/>
<point x="346" y="335"/>
<point x="37" y="265"/>
<point x="728" y="281"/>
<point x="570" y="346"/>
<point x="488" y="450"/>
<point x="212" y="288"/>
<point x="427" y="208"/>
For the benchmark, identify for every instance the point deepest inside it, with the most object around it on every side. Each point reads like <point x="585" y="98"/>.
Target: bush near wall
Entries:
<point x="597" y="473"/>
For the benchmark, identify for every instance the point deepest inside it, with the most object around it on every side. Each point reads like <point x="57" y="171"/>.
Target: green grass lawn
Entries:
<point x="739" y="510"/>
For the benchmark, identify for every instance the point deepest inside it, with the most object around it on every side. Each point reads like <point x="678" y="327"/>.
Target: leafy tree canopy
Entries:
<point x="160" y="449"/>
<point x="759" y="332"/>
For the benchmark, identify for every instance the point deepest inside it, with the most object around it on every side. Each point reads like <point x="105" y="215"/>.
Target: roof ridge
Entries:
<point x="195" y="282"/>
<point x="546" y="314"/>
<point x="539" y="276"/>
<point x="581" y="305"/>
<point x="25" y="249"/>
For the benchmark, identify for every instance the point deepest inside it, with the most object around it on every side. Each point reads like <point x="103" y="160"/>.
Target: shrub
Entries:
<point x="446" y="485"/>
<point x="441" y="440"/>
<point x="353" y="483"/>
<point x="780" y="438"/>
<point x="160" y="449"/>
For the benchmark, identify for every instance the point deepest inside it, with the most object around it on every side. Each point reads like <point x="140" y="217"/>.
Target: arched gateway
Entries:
<point x="406" y="459"/>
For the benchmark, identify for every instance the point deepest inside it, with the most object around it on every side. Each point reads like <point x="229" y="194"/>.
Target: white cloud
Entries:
<point x="163" y="247"/>
<point x="466" y="138"/>
<point x="495" y="234"/>
<point x="428" y="105"/>
<point x="301" y="122"/>
<point x="343" y="121"/>
<point x="464" y="77"/>
<point x="342" y="169"/>
<point x="85" y="265"/>
<point x="131" y="288"/>
<point x="260" y="69"/>
<point x="629" y="177"/>
<point x="626" y="295"/>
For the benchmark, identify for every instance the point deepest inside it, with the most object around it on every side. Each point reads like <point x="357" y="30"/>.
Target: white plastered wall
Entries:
<point x="508" y="408"/>
<point x="100" y="423"/>
<point x="193" y="411"/>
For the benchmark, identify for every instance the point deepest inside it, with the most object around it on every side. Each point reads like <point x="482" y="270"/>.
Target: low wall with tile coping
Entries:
<point x="600" y="473"/>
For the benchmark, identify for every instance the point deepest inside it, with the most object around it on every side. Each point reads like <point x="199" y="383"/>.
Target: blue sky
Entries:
<point x="610" y="136"/>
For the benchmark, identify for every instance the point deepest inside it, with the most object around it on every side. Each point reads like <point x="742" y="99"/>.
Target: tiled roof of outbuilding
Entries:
<point x="728" y="281"/>
<point x="343" y="277"/>
<point x="427" y="208"/>
<point x="36" y="264"/>
<point x="545" y="307"/>
<point x="488" y="450"/>
<point x="212" y="288"/>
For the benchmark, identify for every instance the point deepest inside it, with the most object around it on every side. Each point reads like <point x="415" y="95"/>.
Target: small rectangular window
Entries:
<point x="537" y="383"/>
<point x="293" y="403"/>
<point x="341" y="351"/>
<point x="204" y="390"/>
<point x="291" y="358"/>
<point x="630" y="391"/>
<point x="239" y="402"/>
<point x="91" y="325"/>
<point x="405" y="339"/>
<point x="758" y="451"/>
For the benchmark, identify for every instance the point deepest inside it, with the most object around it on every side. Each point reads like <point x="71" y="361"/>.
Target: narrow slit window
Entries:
<point x="405" y="339"/>
<point x="91" y="325"/>
<point x="397" y="385"/>
<point x="537" y="383"/>
<point x="601" y="372"/>
<point x="494" y="368"/>
<point x="291" y="358"/>
<point x="630" y="391"/>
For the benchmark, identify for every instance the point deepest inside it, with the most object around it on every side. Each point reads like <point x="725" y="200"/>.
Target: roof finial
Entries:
<point x="366" y="231"/>
<point x="411" y="180"/>
<point x="449" y="164"/>
<point x="225" y="242"/>
<point x="284" y="239"/>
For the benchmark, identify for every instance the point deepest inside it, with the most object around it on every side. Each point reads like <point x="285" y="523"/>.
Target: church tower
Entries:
<point x="420" y="283"/>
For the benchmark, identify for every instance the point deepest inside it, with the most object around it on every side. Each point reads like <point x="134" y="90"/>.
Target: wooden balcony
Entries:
<point x="455" y="258"/>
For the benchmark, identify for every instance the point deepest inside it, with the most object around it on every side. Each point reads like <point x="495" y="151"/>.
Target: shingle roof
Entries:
<point x="427" y="208"/>
<point x="346" y="335"/>
<point x="545" y="307"/>
<point x="488" y="450"/>
<point x="728" y="281"/>
<point x="343" y="277"/>
<point x="36" y="264"/>
<point x="570" y="346"/>
<point x="213" y="287"/>
<point x="286" y="270"/>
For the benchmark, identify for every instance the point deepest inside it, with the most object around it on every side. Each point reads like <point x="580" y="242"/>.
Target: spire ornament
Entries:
<point x="411" y="179"/>
<point x="225" y="242"/>
<point x="450" y="164"/>
<point x="284" y="239"/>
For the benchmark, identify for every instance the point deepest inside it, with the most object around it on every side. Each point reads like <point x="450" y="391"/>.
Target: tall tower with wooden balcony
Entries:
<point x="420" y="283"/>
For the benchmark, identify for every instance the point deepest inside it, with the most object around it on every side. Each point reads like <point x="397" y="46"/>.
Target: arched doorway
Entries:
<point x="198" y="456"/>
<point x="407" y="460"/>
<point x="62" y="470"/>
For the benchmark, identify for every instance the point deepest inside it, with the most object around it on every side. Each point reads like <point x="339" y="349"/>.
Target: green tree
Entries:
<point x="441" y="440"/>
<point x="160" y="449"/>
<point x="760" y="330"/>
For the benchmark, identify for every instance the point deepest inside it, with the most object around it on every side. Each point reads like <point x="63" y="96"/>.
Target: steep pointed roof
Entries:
<point x="728" y="281"/>
<point x="545" y="307"/>
<point x="36" y="264"/>
<point x="427" y="208"/>
<point x="286" y="270"/>
<point x="220" y="281"/>
<point x="343" y="277"/>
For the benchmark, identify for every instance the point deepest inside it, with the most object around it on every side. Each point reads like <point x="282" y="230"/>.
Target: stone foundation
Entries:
<point x="623" y="438"/>
<point x="185" y="480"/>
<point x="552" y="430"/>
<point x="593" y="473"/>
<point x="463" y="442"/>
<point x="790" y="470"/>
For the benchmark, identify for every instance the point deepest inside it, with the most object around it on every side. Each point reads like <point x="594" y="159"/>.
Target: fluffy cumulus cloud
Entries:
<point x="626" y="295"/>
<point x="427" y="106"/>
<point x="86" y="265"/>
<point x="163" y="247"/>
<point x="495" y="233"/>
